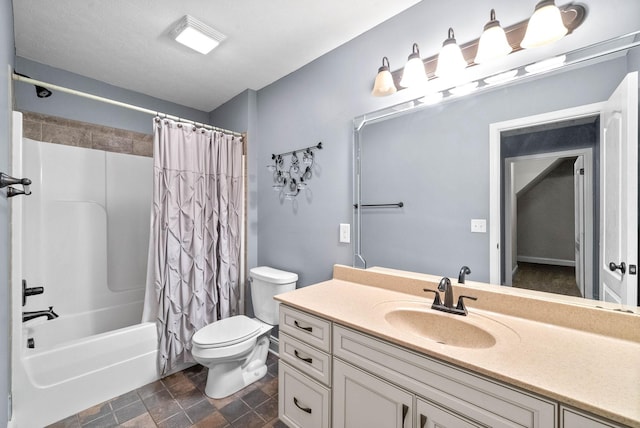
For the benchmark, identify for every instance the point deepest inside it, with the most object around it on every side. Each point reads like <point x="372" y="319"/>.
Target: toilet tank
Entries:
<point x="267" y="282"/>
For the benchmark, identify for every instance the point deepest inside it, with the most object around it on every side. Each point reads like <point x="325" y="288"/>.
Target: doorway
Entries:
<point x="548" y="217"/>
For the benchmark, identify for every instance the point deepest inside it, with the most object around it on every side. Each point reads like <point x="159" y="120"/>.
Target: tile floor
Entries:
<point x="178" y="401"/>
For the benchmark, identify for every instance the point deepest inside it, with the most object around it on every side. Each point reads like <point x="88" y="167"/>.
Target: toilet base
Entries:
<point x="226" y="378"/>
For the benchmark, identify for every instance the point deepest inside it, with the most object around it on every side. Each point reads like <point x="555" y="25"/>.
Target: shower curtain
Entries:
<point x="194" y="246"/>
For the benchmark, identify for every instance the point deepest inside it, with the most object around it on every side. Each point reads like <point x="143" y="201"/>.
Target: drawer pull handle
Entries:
<point x="304" y="409"/>
<point x="405" y="410"/>
<point x="306" y="360"/>
<point x="423" y="421"/>
<point x="309" y="329"/>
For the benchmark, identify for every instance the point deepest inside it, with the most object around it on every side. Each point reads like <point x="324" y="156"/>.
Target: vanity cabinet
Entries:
<point x="332" y="375"/>
<point x="304" y="370"/>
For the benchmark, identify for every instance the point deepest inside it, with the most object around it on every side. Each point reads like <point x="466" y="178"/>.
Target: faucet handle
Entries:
<point x="436" y="300"/>
<point x="460" y="306"/>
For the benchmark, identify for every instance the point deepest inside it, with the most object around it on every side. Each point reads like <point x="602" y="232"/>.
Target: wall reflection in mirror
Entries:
<point x="437" y="160"/>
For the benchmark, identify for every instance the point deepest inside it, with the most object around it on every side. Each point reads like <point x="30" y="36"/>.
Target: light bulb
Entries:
<point x="545" y="26"/>
<point x="414" y="75"/>
<point x="450" y="60"/>
<point x="493" y="42"/>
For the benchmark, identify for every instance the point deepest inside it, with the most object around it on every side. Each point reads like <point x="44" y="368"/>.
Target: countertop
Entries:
<point x="579" y="355"/>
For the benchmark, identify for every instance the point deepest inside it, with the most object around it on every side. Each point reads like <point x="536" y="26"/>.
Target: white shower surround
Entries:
<point x="97" y="348"/>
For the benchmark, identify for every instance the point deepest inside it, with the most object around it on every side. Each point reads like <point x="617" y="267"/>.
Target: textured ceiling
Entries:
<point x="126" y="42"/>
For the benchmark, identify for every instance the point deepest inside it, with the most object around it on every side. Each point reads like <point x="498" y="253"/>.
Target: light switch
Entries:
<point x="479" y="225"/>
<point x="345" y="233"/>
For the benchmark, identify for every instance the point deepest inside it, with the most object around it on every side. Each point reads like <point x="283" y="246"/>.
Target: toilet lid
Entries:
<point x="226" y="332"/>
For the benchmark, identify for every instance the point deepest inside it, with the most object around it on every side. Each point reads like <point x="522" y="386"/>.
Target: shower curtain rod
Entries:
<point x="119" y="104"/>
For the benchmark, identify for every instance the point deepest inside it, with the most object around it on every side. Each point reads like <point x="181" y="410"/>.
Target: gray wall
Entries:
<point x="318" y="103"/>
<point x="7" y="55"/>
<point x="77" y="108"/>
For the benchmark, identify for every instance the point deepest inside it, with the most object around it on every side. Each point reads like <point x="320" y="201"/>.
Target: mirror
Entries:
<point x="422" y="174"/>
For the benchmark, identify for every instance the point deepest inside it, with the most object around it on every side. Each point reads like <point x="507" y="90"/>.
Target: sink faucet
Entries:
<point x="464" y="270"/>
<point x="446" y="287"/>
<point x="26" y="316"/>
<point x="447" y="306"/>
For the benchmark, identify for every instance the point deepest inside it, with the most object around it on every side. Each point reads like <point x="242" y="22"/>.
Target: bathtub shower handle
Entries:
<point x="29" y="291"/>
<point x="8" y="181"/>
<point x="306" y="360"/>
<point x="304" y="409"/>
<point x="309" y="329"/>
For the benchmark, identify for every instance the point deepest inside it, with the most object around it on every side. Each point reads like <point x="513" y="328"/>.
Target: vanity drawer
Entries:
<point x="302" y="402"/>
<point x="305" y="358"/>
<point x="571" y="418"/>
<point x="305" y="327"/>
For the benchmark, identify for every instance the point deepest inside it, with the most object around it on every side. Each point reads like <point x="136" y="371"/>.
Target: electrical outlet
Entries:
<point x="345" y="233"/>
<point x="479" y="225"/>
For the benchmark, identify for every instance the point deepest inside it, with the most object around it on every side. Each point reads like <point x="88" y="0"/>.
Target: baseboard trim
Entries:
<point x="274" y="346"/>
<point x="546" y="261"/>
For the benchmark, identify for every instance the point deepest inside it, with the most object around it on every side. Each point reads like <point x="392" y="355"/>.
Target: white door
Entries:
<point x="619" y="195"/>
<point x="578" y="197"/>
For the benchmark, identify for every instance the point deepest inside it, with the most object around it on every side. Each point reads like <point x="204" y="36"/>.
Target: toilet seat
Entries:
<point x="226" y="332"/>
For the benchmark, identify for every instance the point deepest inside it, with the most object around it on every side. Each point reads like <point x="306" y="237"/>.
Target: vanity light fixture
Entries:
<point x="450" y="60"/>
<point x="384" y="84"/>
<point x="493" y="42"/>
<point x="572" y="15"/>
<point x="545" y="25"/>
<point x="414" y="75"/>
<point x="196" y="35"/>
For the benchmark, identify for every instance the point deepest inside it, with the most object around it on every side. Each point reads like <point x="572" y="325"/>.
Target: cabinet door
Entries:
<point x="302" y="402"/>
<point x="432" y="416"/>
<point x="362" y="400"/>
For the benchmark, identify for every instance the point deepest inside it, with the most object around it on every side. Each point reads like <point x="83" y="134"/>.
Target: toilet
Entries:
<point x="235" y="349"/>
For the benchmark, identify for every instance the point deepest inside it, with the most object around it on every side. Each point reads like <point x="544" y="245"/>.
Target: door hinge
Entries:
<point x="581" y="172"/>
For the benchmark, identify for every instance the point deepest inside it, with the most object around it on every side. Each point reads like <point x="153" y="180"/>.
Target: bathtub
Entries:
<point x="61" y="239"/>
<point x="62" y="376"/>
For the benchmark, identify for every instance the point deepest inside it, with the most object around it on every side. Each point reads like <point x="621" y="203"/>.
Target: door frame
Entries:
<point x="495" y="131"/>
<point x="587" y="154"/>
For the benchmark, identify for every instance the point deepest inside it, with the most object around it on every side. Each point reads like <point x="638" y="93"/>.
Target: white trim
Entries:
<point x="495" y="130"/>
<point x="274" y="345"/>
<point x="546" y="261"/>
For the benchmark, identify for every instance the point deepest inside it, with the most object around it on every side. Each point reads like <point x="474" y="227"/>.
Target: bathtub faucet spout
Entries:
<point x="26" y="316"/>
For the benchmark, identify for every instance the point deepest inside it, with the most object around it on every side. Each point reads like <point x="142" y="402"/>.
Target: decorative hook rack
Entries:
<point x="295" y="177"/>
<point x="7" y="180"/>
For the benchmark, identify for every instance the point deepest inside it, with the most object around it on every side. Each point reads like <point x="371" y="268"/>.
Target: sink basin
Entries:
<point x="415" y="318"/>
<point x="447" y="329"/>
